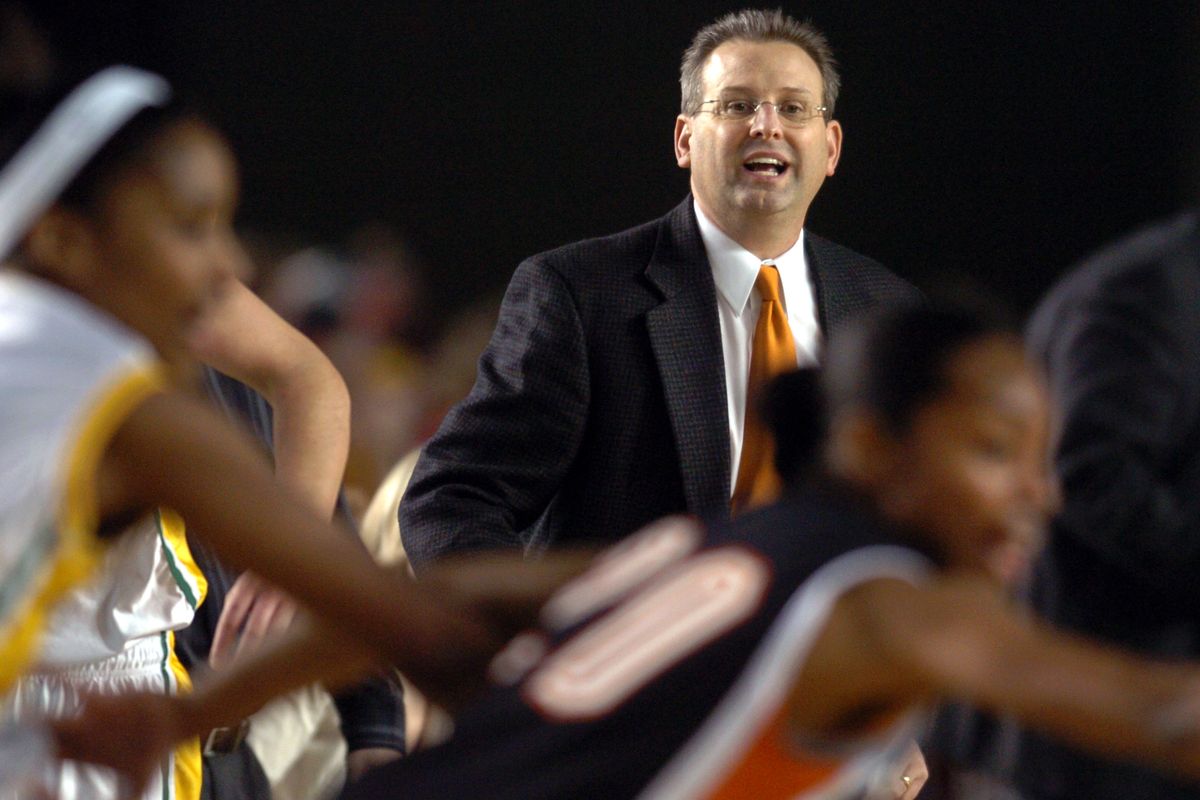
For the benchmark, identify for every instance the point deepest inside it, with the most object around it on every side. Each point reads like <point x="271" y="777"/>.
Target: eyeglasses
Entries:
<point x="792" y="113"/>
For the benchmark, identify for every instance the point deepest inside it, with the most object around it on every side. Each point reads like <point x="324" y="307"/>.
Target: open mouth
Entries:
<point x="765" y="165"/>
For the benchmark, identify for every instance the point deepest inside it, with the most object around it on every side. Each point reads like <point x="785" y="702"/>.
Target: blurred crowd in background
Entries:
<point x="365" y="303"/>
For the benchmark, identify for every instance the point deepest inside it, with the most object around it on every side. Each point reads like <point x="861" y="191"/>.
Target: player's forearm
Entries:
<point x="308" y="654"/>
<point x="1106" y="701"/>
<point x="310" y="405"/>
<point x="311" y="408"/>
<point x="222" y="487"/>
<point x="959" y="638"/>
<point x="245" y="339"/>
<point x="503" y="587"/>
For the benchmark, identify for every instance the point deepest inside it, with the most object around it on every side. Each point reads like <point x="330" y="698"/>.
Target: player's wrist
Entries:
<point x="363" y="760"/>
<point x="189" y="715"/>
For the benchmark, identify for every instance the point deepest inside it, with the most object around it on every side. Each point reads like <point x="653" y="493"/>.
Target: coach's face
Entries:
<point x="760" y="169"/>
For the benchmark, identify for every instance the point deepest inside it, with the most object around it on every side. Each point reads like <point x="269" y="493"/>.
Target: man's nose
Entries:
<point x="766" y="121"/>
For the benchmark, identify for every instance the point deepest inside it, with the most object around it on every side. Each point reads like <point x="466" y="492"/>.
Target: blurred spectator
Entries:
<point x="367" y="308"/>
<point x="26" y="63"/>
<point x="1120" y="338"/>
<point x="451" y="364"/>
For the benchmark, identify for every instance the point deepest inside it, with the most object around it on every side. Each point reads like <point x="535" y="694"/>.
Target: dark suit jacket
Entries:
<point x="1120" y="337"/>
<point x="600" y="401"/>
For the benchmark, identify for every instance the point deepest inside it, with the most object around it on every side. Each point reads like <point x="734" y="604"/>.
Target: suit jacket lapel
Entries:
<point x="685" y="335"/>
<point x="833" y="282"/>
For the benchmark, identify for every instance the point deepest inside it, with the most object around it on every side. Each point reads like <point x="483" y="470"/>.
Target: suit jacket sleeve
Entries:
<point x="1125" y="365"/>
<point x="501" y="455"/>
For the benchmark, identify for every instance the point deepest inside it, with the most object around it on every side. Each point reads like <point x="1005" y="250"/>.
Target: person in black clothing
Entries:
<point x="1120" y="338"/>
<point x="615" y="387"/>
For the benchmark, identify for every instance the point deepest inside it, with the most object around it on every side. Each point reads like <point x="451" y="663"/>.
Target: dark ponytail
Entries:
<point x="794" y="408"/>
<point x="893" y="362"/>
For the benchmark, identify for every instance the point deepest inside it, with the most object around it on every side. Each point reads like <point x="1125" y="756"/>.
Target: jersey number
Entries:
<point x="682" y="610"/>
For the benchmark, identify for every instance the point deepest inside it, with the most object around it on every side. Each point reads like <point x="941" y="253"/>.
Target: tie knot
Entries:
<point x="768" y="283"/>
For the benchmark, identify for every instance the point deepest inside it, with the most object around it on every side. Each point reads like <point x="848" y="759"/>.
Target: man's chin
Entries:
<point x="766" y="201"/>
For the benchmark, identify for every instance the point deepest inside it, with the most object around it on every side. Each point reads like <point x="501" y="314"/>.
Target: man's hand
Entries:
<point x="253" y="609"/>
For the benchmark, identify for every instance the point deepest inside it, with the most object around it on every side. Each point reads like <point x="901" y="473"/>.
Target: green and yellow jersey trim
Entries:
<point x="75" y="548"/>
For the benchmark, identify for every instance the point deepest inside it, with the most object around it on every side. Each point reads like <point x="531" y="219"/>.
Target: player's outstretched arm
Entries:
<point x="959" y="638"/>
<point x="114" y="731"/>
<point x="219" y="482"/>
<point x="502" y="587"/>
<point x="129" y="732"/>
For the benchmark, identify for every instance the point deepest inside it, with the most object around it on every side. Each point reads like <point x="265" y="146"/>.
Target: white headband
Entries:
<point x="77" y="128"/>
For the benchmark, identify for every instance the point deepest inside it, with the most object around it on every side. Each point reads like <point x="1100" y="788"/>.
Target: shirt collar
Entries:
<point x="735" y="269"/>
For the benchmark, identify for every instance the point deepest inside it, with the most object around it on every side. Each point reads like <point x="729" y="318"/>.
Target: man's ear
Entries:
<point x="833" y="146"/>
<point x="683" y="141"/>
<point x="60" y="245"/>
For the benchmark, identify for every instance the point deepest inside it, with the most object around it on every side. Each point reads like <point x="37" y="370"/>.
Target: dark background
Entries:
<point x="992" y="142"/>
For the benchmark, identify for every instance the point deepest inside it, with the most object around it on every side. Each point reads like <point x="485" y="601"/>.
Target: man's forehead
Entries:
<point x="779" y="65"/>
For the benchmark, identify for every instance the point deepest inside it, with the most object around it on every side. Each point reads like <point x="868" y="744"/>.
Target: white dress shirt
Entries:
<point x="735" y="270"/>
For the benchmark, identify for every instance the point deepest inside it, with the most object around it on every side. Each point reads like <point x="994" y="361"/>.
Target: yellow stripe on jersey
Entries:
<point x="187" y="767"/>
<point x="183" y="565"/>
<point x="79" y="516"/>
<point x="75" y="552"/>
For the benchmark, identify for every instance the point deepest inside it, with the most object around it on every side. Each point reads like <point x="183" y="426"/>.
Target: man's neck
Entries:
<point x="765" y="244"/>
<point x="767" y="236"/>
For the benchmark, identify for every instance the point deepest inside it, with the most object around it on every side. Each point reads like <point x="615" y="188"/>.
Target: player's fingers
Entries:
<point x="261" y="620"/>
<point x="913" y="776"/>
<point x="286" y="614"/>
<point x="270" y="614"/>
<point x="239" y="603"/>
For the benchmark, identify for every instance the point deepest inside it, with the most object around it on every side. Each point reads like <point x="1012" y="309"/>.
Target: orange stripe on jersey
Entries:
<point x="773" y="767"/>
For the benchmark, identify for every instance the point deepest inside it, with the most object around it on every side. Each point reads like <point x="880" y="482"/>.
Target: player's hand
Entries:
<point x="253" y="610"/>
<point x="128" y="732"/>
<point x="901" y="779"/>
<point x="906" y="782"/>
<point x="360" y="762"/>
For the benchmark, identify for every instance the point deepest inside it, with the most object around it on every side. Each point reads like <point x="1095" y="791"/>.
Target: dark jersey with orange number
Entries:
<point x="661" y="671"/>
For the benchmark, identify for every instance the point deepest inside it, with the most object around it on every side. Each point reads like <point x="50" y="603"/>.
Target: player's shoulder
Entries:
<point x="51" y="337"/>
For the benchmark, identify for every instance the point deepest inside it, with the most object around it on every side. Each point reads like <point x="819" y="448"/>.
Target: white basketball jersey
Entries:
<point x="69" y="376"/>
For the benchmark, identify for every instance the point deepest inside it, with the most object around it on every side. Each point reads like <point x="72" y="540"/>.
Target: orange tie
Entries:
<point x="774" y="352"/>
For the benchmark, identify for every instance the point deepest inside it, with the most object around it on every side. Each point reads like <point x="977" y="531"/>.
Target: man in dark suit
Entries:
<point x="1120" y="337"/>
<point x="614" y="389"/>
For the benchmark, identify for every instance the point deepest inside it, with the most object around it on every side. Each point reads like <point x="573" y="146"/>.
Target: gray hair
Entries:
<point x="755" y="25"/>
